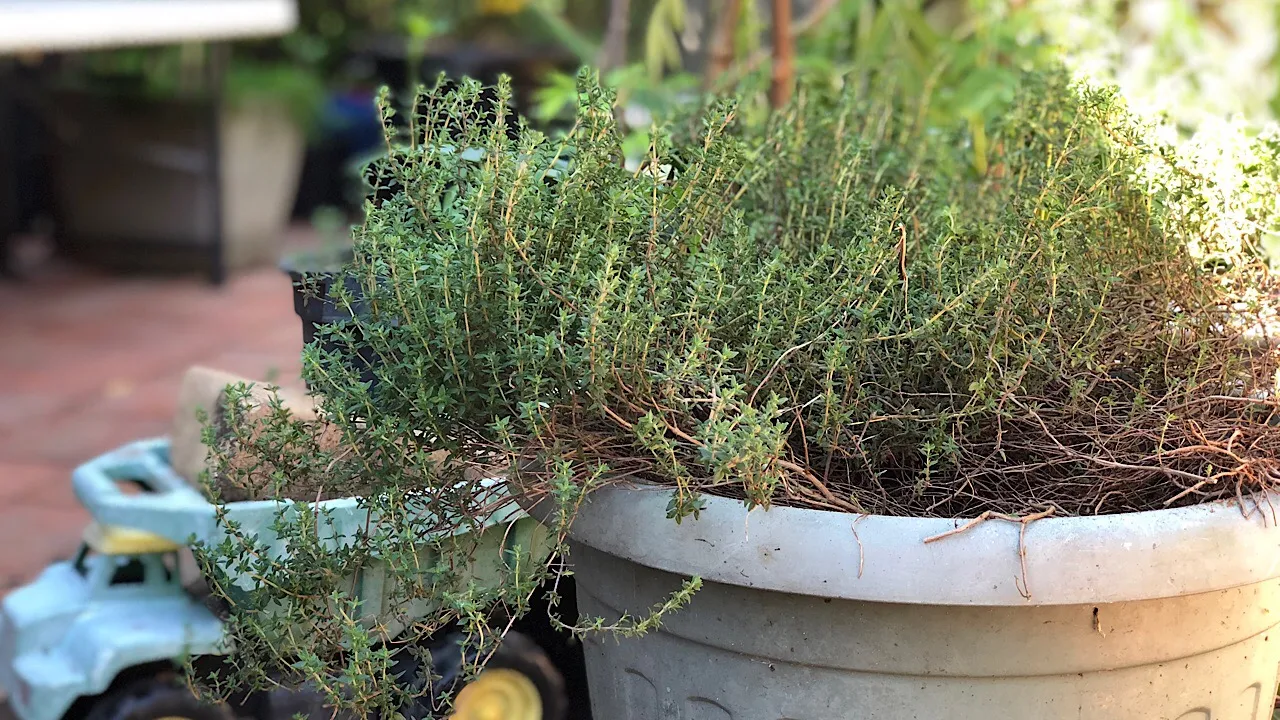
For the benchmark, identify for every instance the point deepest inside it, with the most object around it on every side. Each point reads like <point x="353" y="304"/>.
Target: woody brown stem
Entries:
<point x="613" y="51"/>
<point x="783" y="54"/>
<point x="722" y="44"/>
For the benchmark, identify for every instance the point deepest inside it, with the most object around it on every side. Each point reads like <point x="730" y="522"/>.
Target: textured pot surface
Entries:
<point x="804" y="615"/>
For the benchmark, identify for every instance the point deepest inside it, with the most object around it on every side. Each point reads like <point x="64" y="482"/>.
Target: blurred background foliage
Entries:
<point x="1196" y="61"/>
<point x="1204" y="66"/>
<point x="1205" y="71"/>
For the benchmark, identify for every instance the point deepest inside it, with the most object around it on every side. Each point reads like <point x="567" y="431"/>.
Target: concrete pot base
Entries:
<point x="1169" y="614"/>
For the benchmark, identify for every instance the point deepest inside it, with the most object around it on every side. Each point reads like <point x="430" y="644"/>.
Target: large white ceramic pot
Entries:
<point x="808" y="615"/>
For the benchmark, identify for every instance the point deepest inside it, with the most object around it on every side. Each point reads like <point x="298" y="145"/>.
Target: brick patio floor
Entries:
<point x="89" y="361"/>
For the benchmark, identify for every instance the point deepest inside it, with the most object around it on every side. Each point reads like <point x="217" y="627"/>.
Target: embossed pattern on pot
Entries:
<point x="746" y="654"/>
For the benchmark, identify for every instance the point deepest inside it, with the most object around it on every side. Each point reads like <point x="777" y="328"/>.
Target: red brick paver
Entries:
<point x="89" y="361"/>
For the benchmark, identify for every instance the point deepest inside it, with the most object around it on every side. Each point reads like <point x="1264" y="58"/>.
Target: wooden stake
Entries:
<point x="722" y="43"/>
<point x="783" y="55"/>
<point x="613" y="51"/>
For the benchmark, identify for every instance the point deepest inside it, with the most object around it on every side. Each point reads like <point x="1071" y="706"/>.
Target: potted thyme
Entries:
<point x="896" y="436"/>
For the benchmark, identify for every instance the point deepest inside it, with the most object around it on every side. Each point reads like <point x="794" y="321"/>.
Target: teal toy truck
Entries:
<point x="102" y="636"/>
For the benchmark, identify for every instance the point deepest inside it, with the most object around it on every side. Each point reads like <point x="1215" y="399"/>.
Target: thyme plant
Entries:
<point x="830" y="308"/>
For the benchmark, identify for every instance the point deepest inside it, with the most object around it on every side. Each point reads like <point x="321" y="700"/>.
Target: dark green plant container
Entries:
<point x="313" y="276"/>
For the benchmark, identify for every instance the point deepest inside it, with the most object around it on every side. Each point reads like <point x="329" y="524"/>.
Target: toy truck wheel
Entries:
<point x="518" y="683"/>
<point x="156" y="699"/>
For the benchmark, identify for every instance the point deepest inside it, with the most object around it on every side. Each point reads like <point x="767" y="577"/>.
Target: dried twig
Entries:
<point x="1024" y="589"/>
<point x="858" y="540"/>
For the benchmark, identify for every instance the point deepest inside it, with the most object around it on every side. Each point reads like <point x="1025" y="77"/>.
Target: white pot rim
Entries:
<point x="1068" y="560"/>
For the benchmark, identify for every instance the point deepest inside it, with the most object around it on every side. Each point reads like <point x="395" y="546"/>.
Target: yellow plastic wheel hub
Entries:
<point x="498" y="694"/>
<point x="502" y="7"/>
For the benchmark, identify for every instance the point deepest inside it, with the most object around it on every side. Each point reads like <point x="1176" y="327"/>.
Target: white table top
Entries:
<point x="69" y="25"/>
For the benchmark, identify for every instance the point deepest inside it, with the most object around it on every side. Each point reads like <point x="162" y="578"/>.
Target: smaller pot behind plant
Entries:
<point x="313" y="275"/>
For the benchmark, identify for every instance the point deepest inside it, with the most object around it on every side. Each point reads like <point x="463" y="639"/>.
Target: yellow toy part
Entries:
<point x="111" y="540"/>
<point x="498" y="694"/>
<point x="502" y="7"/>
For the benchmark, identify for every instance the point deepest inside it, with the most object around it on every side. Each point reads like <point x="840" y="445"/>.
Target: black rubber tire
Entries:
<point x="156" y="698"/>
<point x="518" y="652"/>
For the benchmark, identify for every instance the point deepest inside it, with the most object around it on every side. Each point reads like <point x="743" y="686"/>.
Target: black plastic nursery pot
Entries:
<point x="313" y="276"/>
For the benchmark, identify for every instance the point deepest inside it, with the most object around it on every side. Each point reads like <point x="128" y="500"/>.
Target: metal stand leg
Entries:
<point x="218" y="58"/>
<point x="9" y="207"/>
